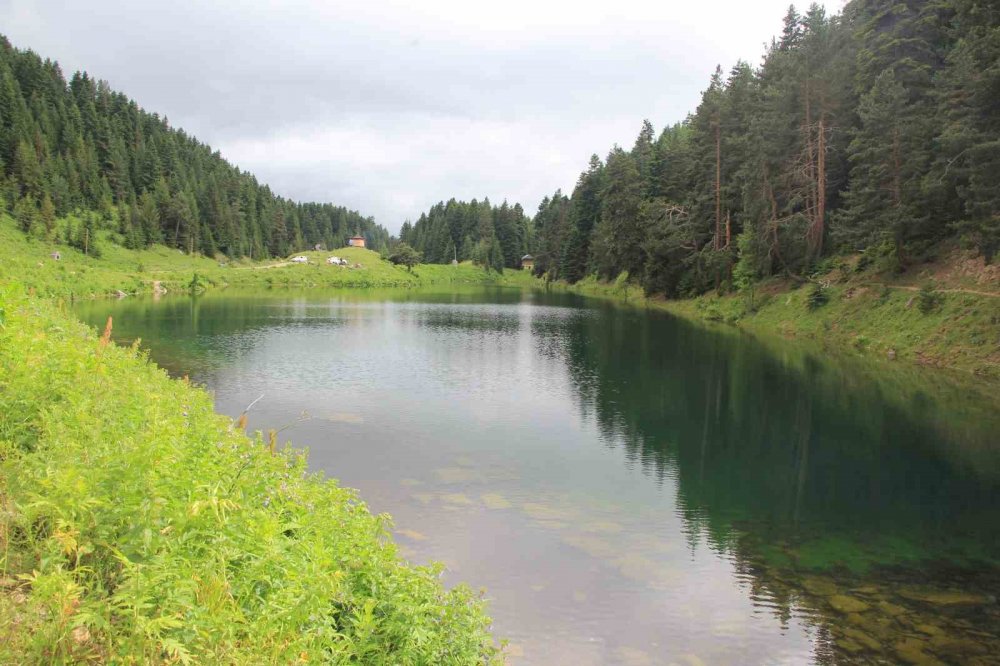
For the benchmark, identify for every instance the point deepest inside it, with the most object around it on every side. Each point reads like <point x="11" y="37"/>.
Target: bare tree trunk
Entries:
<point x="810" y="154"/>
<point x="718" y="182"/>
<point x="820" y="186"/>
<point x="773" y="251"/>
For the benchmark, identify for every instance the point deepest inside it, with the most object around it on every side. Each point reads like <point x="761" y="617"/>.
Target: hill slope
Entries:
<point x="28" y="261"/>
<point x="80" y="146"/>
<point x="944" y="312"/>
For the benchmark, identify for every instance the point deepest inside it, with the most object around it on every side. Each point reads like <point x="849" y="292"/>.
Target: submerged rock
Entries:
<point x="844" y="604"/>
<point x="929" y="629"/>
<point x="890" y="608"/>
<point x="857" y="619"/>
<point x="847" y="645"/>
<point x="953" y="647"/>
<point x="862" y="638"/>
<point x="819" y="587"/>
<point x="913" y="651"/>
<point x="944" y="597"/>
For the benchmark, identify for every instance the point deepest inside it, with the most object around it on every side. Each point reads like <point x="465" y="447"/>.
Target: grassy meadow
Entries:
<point x="28" y="261"/>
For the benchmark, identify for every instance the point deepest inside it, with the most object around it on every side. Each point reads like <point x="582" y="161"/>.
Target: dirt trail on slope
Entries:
<point x="992" y="294"/>
<point x="255" y="268"/>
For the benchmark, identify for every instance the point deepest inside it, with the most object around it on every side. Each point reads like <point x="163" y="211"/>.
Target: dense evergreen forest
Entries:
<point x="493" y="236"/>
<point x="877" y="129"/>
<point x="83" y="148"/>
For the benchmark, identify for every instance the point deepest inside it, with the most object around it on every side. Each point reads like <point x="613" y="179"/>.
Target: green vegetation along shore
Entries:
<point x="29" y="261"/>
<point x="944" y="313"/>
<point x="138" y="526"/>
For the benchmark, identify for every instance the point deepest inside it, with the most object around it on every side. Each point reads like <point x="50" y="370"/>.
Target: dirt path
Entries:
<point x="255" y="268"/>
<point x="992" y="294"/>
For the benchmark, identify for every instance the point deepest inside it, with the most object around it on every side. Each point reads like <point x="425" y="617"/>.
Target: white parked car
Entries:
<point x="300" y="260"/>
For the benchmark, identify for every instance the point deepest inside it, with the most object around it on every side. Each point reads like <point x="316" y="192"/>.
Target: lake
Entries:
<point x="630" y="488"/>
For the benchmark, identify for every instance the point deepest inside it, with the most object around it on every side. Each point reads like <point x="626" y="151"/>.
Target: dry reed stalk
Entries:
<point x="241" y="423"/>
<point x="105" y="338"/>
<point x="272" y="436"/>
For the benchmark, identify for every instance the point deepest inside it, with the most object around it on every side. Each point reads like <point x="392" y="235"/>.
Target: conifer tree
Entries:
<point x="25" y="212"/>
<point x="967" y="101"/>
<point x="883" y="200"/>
<point x="620" y="234"/>
<point x="47" y="216"/>
<point x="584" y="213"/>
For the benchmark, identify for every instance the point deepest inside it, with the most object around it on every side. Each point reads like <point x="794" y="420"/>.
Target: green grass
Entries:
<point x="138" y="526"/>
<point x="28" y="261"/>
<point x="869" y="314"/>
<point x="963" y="332"/>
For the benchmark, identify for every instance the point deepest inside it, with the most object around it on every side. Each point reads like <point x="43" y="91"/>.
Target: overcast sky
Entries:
<point x="389" y="107"/>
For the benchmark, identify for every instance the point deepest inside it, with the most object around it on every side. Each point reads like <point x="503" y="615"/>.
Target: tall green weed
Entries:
<point x="138" y="526"/>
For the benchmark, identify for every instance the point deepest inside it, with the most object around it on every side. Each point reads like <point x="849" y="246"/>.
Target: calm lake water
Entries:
<point x="628" y="487"/>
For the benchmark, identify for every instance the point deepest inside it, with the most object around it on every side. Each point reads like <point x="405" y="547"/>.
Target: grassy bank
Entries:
<point x="943" y="313"/>
<point x="138" y="526"/>
<point x="29" y="261"/>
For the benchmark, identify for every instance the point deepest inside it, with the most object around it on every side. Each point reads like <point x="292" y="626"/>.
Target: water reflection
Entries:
<point x="807" y="448"/>
<point x="630" y="488"/>
<point x="882" y="486"/>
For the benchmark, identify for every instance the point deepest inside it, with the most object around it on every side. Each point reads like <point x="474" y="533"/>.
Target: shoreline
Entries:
<point x="123" y="485"/>
<point x="871" y="325"/>
<point x="866" y="312"/>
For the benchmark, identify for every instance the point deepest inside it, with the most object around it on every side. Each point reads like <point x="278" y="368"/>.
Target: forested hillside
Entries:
<point x="875" y="130"/>
<point x="494" y="236"/>
<point x="81" y="148"/>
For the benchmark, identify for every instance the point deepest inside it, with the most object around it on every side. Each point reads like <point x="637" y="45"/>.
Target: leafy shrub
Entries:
<point x="197" y="284"/>
<point x="621" y="284"/>
<point x="712" y="313"/>
<point x="818" y="296"/>
<point x="884" y="294"/>
<point x="405" y="255"/>
<point x="824" y="266"/>
<point x="929" y="300"/>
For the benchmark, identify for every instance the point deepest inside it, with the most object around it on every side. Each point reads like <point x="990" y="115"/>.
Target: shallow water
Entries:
<point x="628" y="487"/>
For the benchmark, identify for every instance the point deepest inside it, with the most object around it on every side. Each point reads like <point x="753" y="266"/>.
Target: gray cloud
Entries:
<point x="389" y="107"/>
